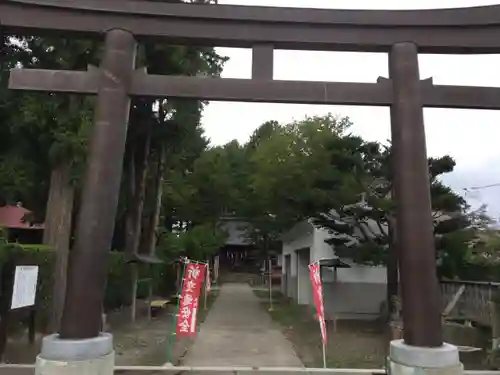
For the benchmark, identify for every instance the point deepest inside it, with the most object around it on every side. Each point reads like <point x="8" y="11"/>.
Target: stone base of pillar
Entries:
<point x="412" y="360"/>
<point x="93" y="356"/>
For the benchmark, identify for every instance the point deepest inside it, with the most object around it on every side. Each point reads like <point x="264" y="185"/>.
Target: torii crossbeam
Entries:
<point x="264" y="29"/>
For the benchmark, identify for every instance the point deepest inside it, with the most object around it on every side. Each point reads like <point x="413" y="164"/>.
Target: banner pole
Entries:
<point x="270" y="285"/>
<point x="324" y="356"/>
<point x="205" y="293"/>
<point x="171" y="341"/>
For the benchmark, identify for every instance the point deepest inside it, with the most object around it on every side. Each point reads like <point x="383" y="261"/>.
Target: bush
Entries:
<point x="199" y="243"/>
<point x="481" y="270"/>
<point x="118" y="284"/>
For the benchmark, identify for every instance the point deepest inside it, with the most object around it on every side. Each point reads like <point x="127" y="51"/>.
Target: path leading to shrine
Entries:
<point x="239" y="332"/>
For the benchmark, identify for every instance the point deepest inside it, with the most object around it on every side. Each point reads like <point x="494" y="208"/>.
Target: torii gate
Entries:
<point x="403" y="34"/>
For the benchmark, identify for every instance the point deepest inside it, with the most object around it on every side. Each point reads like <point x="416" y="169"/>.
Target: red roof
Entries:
<point x="12" y="217"/>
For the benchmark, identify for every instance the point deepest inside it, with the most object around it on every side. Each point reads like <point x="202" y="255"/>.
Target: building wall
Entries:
<point x="322" y="250"/>
<point x="288" y="283"/>
<point x="299" y="237"/>
<point x="351" y="293"/>
<point x="304" y="289"/>
<point x="358" y="293"/>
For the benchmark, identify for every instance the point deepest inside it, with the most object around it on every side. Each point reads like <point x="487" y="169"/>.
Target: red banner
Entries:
<point x="314" y="273"/>
<point x="188" y="306"/>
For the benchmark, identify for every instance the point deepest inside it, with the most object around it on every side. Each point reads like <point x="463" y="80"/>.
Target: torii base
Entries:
<point x="93" y="356"/>
<point x="413" y="360"/>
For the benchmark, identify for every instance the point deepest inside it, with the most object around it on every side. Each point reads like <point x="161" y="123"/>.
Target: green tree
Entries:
<point x="361" y="213"/>
<point x="164" y="138"/>
<point x="283" y="163"/>
<point x="199" y="243"/>
<point x="50" y="133"/>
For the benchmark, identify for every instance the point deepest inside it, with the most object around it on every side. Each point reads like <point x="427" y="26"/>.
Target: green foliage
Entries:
<point x="3" y="236"/>
<point x="359" y="210"/>
<point x="42" y="130"/>
<point x="276" y="180"/>
<point x="39" y="131"/>
<point x="286" y="160"/>
<point x="481" y="270"/>
<point x="454" y="253"/>
<point x="198" y="243"/>
<point x="118" y="283"/>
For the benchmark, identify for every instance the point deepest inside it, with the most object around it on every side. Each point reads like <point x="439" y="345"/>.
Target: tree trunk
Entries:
<point x="141" y="191"/>
<point x="57" y="234"/>
<point x="129" y="220"/>
<point x="137" y="188"/>
<point x="155" y="216"/>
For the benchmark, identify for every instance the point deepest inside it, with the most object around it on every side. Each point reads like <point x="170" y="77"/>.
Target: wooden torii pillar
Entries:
<point x="417" y="263"/>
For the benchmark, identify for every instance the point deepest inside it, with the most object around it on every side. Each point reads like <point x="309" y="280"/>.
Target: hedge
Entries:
<point x="118" y="283"/>
<point x="481" y="270"/>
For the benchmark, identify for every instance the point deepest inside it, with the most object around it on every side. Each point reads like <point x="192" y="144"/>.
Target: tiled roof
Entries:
<point x="14" y="217"/>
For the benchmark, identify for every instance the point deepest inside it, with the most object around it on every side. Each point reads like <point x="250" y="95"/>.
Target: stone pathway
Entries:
<point x="239" y="332"/>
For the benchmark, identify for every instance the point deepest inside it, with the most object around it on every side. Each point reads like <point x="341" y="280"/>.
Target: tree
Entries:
<point x="480" y="220"/>
<point x="17" y="174"/>
<point x="164" y="137"/>
<point x="174" y="131"/>
<point x="361" y="214"/>
<point x="283" y="163"/>
<point x="50" y="133"/>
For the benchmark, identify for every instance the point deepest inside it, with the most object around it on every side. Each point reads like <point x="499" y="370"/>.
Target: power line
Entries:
<point x="482" y="187"/>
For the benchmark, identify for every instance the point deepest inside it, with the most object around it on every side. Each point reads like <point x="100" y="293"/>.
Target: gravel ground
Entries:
<point x="143" y="343"/>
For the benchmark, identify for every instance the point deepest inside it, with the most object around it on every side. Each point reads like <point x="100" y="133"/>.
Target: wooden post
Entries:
<point x="7" y="289"/>
<point x="216" y="268"/>
<point x="32" y="326"/>
<point x="270" y="284"/>
<point x="133" y="298"/>
<point x="150" y="295"/>
<point x="495" y="321"/>
<point x="7" y="285"/>
<point x="205" y="292"/>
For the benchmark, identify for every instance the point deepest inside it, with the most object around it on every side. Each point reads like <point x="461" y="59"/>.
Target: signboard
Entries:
<point x="188" y="306"/>
<point x="24" y="290"/>
<point x="314" y="274"/>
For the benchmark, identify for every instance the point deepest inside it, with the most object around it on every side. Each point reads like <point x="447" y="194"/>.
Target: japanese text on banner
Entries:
<point x="188" y="306"/>
<point x="314" y="273"/>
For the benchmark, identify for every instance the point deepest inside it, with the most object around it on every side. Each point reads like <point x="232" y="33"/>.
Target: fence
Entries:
<point x="474" y="303"/>
<point x="6" y="369"/>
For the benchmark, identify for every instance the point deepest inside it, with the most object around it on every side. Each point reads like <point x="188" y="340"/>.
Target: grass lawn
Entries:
<point x="354" y="345"/>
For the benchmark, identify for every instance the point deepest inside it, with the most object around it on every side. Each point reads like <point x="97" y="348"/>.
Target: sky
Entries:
<point x="471" y="137"/>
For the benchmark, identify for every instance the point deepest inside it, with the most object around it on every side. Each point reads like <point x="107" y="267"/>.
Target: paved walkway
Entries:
<point x="239" y="332"/>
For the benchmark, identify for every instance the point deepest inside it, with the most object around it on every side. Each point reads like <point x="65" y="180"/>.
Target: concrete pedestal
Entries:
<point x="412" y="360"/>
<point x="93" y="356"/>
